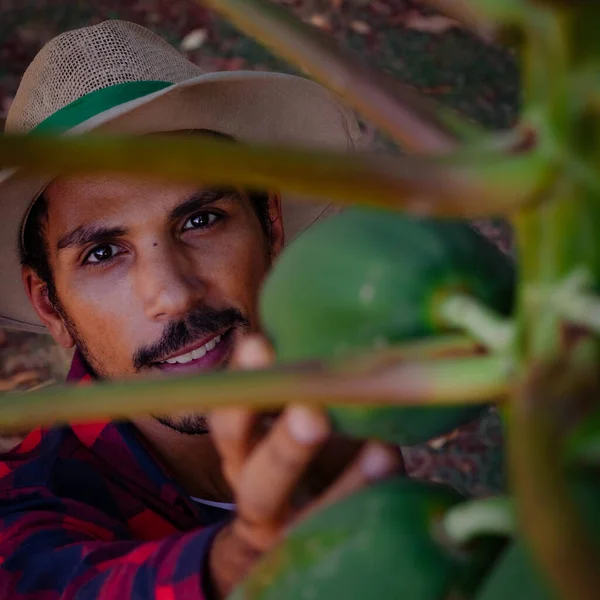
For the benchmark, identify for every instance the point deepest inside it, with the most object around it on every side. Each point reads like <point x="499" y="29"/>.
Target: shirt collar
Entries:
<point x="79" y="371"/>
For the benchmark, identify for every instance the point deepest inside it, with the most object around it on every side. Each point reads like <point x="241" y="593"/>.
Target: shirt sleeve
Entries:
<point x="60" y="549"/>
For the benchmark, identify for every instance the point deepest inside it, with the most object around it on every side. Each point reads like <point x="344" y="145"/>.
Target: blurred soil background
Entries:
<point x="403" y="37"/>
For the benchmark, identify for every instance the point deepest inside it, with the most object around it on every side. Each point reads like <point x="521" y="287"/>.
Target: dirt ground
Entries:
<point x="403" y="37"/>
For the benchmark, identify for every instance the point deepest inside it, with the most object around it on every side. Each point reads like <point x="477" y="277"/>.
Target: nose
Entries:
<point x="167" y="284"/>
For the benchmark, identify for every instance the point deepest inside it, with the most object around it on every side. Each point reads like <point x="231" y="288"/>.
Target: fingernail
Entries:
<point x="254" y="353"/>
<point x="377" y="462"/>
<point x="305" y="425"/>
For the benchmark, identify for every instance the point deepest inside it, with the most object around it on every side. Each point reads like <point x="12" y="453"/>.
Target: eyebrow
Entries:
<point x="89" y="234"/>
<point x="95" y="234"/>
<point x="200" y="199"/>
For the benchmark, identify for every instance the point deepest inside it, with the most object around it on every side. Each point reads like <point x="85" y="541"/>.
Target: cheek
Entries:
<point x="102" y="310"/>
<point x="234" y="269"/>
<point x="102" y="299"/>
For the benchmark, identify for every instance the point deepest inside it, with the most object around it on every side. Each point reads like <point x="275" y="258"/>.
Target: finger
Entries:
<point x="253" y="352"/>
<point x="231" y="432"/>
<point x="278" y="462"/>
<point x="232" y="428"/>
<point x="375" y="461"/>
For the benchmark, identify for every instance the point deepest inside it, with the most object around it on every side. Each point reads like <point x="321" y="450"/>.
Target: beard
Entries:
<point x="199" y="322"/>
<point x="188" y="424"/>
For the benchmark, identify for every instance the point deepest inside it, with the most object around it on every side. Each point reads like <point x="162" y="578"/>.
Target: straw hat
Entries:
<point x="120" y="77"/>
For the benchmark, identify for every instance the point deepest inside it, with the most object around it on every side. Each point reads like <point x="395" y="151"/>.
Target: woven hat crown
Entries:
<point x="88" y="59"/>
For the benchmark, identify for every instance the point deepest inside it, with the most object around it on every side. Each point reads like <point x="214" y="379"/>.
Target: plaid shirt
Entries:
<point x="87" y="512"/>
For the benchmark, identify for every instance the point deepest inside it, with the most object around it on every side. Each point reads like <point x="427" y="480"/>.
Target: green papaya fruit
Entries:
<point x="378" y="543"/>
<point x="516" y="575"/>
<point x="371" y="277"/>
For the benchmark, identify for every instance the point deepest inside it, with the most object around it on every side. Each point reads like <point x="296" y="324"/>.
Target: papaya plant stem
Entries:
<point x="409" y="118"/>
<point x="451" y="185"/>
<point x="546" y="513"/>
<point x="442" y="346"/>
<point x="467" y="313"/>
<point x="545" y="325"/>
<point x="546" y="50"/>
<point x="484" y="516"/>
<point x="541" y="232"/>
<point x="436" y="382"/>
<point x="580" y="308"/>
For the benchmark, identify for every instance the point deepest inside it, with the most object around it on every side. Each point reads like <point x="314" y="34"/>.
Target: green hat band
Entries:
<point x="96" y="102"/>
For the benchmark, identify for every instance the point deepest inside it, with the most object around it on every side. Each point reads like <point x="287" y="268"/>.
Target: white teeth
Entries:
<point x="194" y="354"/>
<point x="199" y="352"/>
<point x="184" y="358"/>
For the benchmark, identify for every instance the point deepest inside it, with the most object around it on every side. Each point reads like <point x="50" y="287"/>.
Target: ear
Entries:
<point x="37" y="291"/>
<point x="276" y="216"/>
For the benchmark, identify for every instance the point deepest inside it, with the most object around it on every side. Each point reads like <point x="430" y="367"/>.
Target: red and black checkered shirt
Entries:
<point x="87" y="512"/>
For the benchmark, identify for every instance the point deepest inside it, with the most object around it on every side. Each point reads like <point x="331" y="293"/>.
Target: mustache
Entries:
<point x="178" y="334"/>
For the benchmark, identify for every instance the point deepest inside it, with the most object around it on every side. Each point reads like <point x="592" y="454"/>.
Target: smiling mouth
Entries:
<point x="182" y="359"/>
<point x="209" y="355"/>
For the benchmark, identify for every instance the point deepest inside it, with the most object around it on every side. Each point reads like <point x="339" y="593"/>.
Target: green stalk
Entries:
<point x="554" y="223"/>
<point x="581" y="19"/>
<point x="547" y="515"/>
<point x="436" y="382"/>
<point x="574" y="301"/>
<point x="417" y="124"/>
<point x="481" y="517"/>
<point x="542" y="232"/>
<point x="546" y="51"/>
<point x="442" y="346"/>
<point x="451" y="186"/>
<point x="467" y="313"/>
<point x="527" y="236"/>
<point x="566" y="252"/>
<point x="581" y="309"/>
<point x="554" y="239"/>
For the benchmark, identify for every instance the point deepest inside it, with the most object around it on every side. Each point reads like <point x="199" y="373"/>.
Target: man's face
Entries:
<point x="156" y="277"/>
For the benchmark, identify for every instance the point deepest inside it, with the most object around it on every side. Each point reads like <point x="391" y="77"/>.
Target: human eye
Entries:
<point x="202" y="220"/>
<point x="101" y="254"/>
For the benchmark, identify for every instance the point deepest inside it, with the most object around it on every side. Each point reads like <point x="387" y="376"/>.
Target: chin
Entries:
<point x="186" y="424"/>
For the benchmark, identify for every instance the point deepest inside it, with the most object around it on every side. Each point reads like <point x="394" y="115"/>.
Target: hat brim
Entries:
<point x="247" y="105"/>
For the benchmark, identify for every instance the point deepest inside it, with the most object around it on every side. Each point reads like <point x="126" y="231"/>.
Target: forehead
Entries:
<point x="92" y="197"/>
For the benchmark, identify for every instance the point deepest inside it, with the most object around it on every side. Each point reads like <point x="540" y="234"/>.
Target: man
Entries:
<point x="143" y="277"/>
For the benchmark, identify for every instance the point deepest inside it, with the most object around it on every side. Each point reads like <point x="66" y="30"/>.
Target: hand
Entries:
<point x="264" y="473"/>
